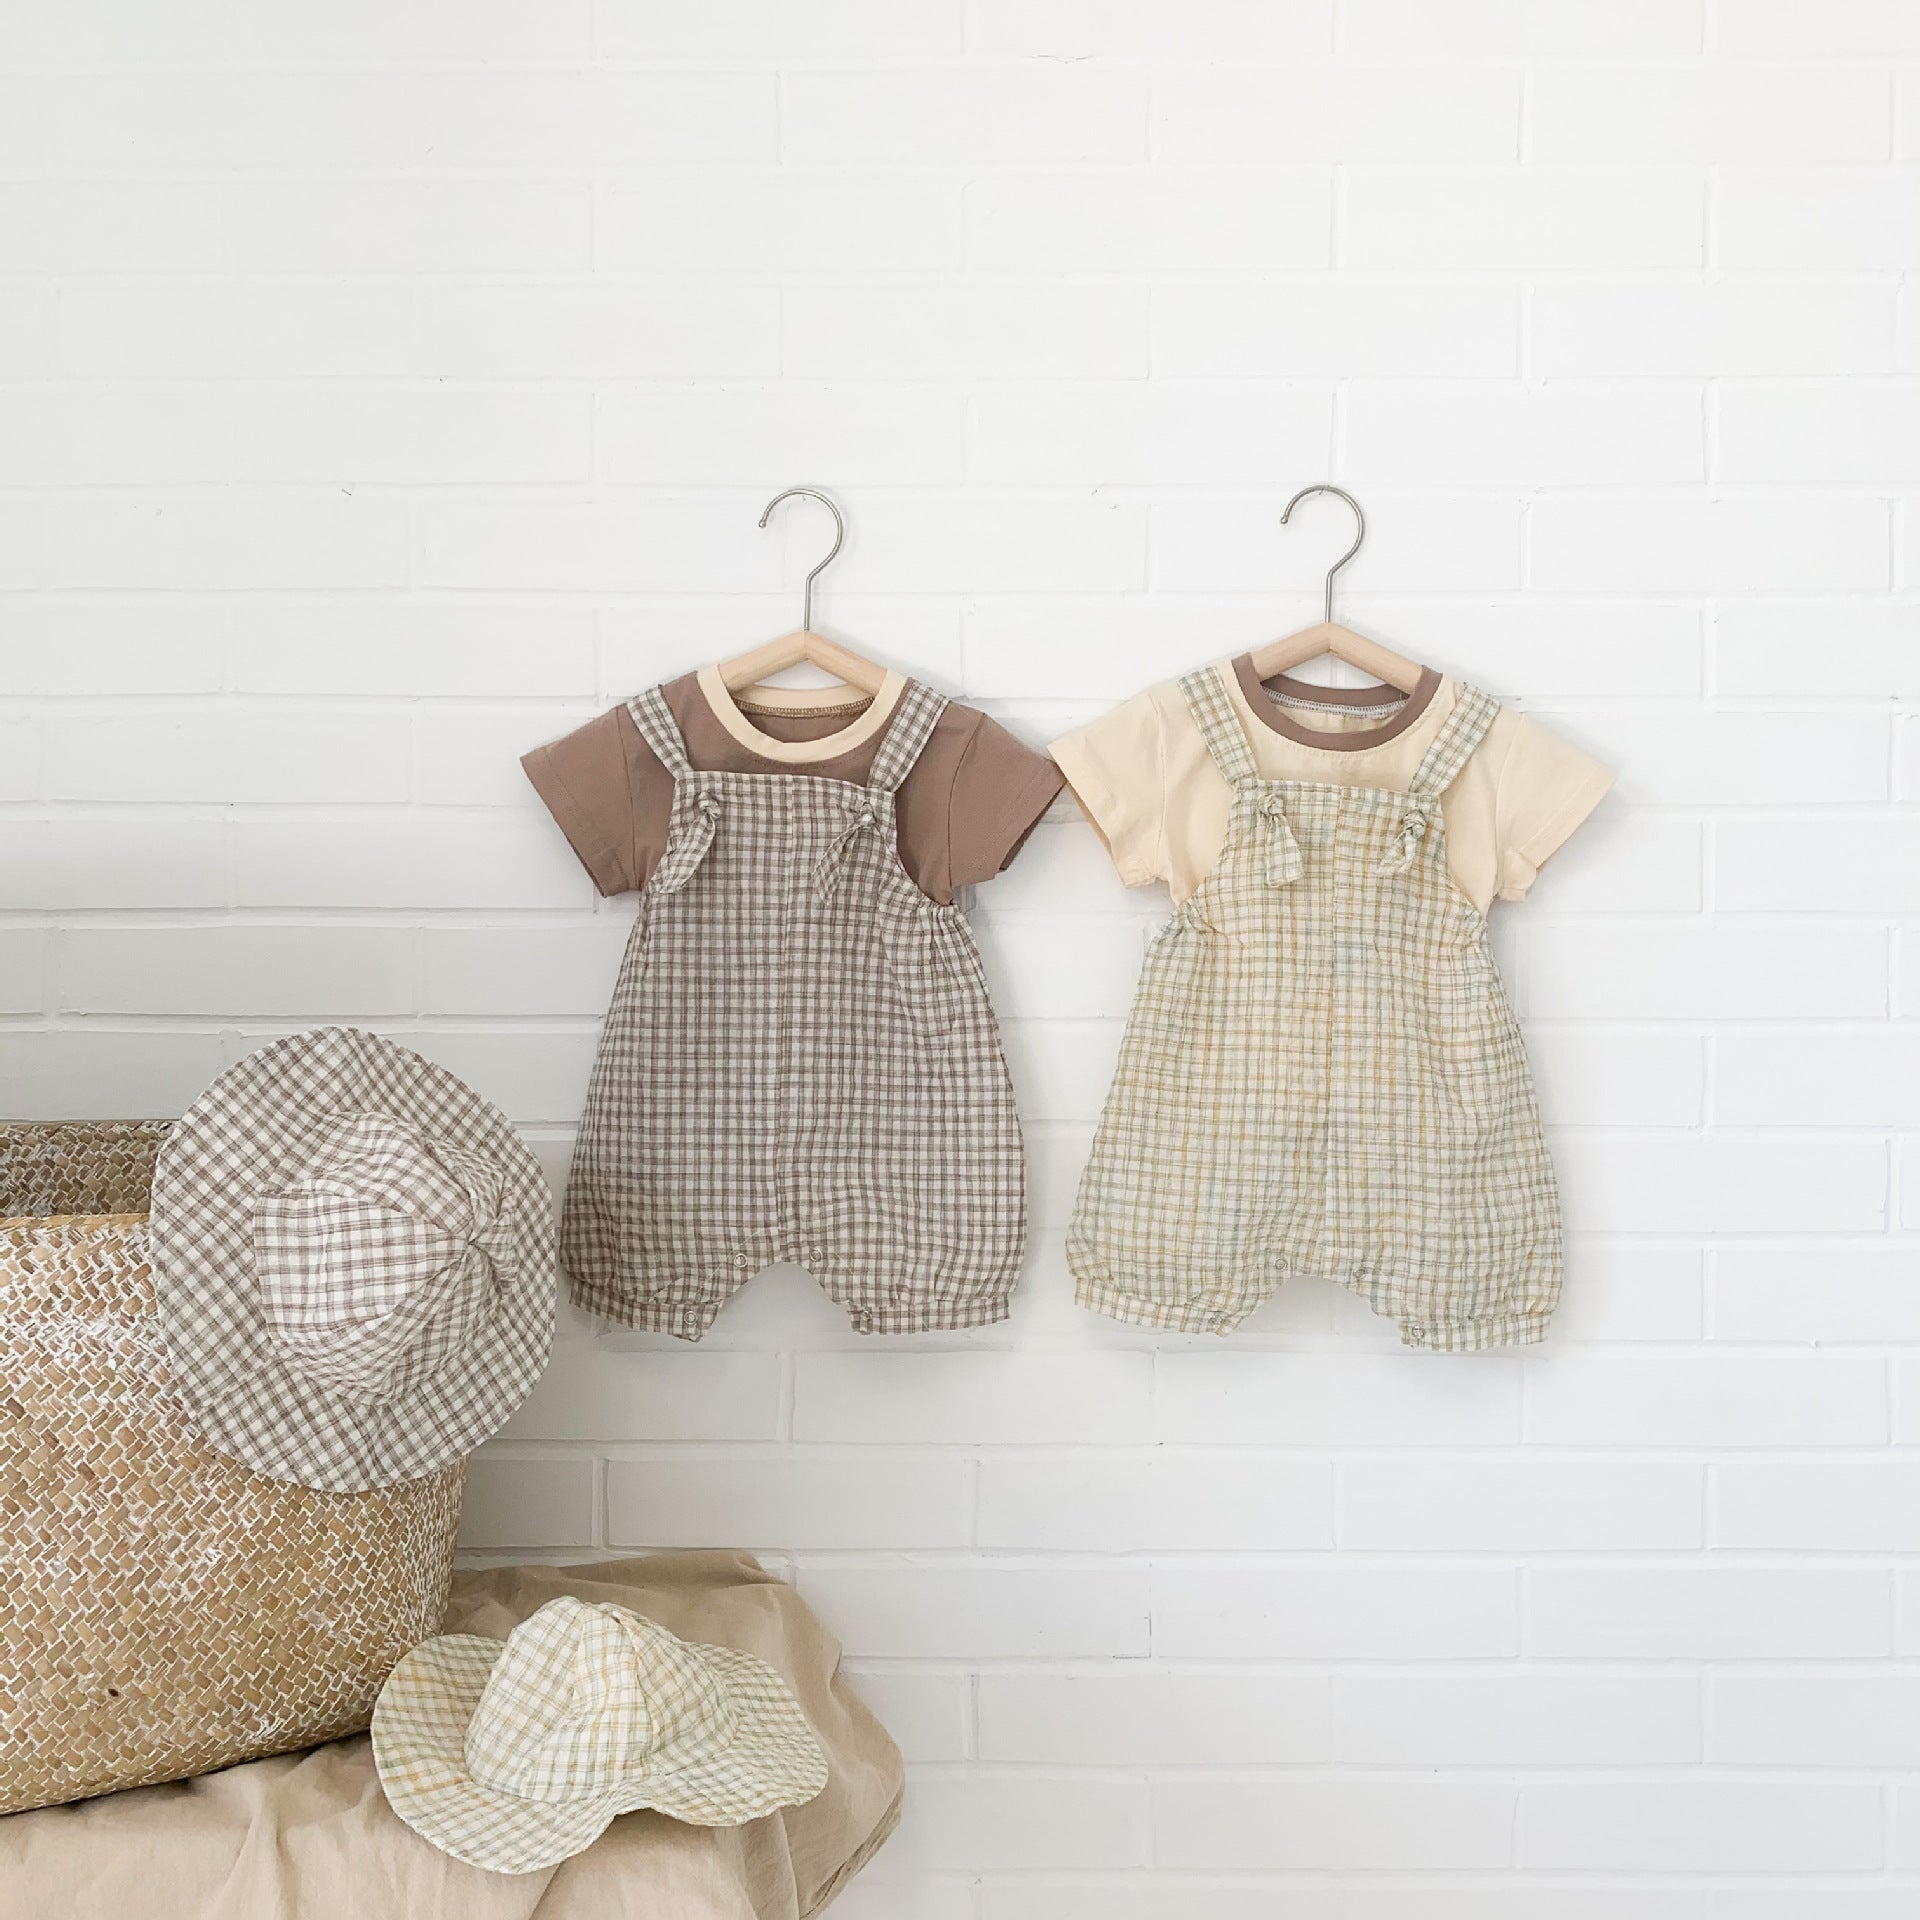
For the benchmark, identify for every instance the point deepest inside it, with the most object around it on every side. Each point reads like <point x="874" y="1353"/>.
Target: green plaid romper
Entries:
<point x="800" y="1064"/>
<point x="1322" y="1075"/>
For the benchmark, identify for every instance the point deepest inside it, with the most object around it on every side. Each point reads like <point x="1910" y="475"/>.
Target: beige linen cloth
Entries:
<point x="309" y="1836"/>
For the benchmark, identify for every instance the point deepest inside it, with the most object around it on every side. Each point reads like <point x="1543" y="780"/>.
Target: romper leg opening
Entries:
<point x="1212" y="1310"/>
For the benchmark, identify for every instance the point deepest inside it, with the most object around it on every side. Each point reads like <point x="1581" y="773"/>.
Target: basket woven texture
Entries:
<point x="164" y="1610"/>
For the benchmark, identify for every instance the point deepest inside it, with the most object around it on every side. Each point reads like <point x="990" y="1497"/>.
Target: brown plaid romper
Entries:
<point x="799" y="1064"/>
<point x="1322" y="1075"/>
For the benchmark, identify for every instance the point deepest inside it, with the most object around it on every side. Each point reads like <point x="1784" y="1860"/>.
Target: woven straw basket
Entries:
<point x="163" y="1610"/>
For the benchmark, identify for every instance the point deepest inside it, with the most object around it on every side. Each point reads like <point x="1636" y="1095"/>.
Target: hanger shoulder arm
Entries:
<point x="742" y="670"/>
<point x="854" y="668"/>
<point x="747" y="669"/>
<point x="1328" y="636"/>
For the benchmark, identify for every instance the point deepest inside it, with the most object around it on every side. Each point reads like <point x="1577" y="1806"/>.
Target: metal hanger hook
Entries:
<point x="839" y="540"/>
<point x="1359" y="531"/>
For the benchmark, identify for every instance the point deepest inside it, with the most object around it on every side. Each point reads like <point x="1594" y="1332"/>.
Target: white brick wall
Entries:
<point x="385" y="387"/>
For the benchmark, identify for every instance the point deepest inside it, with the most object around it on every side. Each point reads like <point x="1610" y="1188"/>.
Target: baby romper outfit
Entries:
<point x="1322" y="1073"/>
<point x="800" y="1062"/>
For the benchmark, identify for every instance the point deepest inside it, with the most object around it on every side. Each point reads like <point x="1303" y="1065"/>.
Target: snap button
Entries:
<point x="862" y="1319"/>
<point x="1416" y="1330"/>
<point x="743" y="1260"/>
<point x="814" y="1256"/>
<point x="690" y="1323"/>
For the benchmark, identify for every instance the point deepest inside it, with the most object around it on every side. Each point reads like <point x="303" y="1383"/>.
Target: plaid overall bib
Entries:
<point x="1322" y="1075"/>
<point x="799" y="1064"/>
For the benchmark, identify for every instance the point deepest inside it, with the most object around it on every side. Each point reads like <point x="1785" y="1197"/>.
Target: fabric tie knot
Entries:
<point x="687" y="844"/>
<point x="1414" y="822"/>
<point x="832" y="863"/>
<point x="1284" y="864"/>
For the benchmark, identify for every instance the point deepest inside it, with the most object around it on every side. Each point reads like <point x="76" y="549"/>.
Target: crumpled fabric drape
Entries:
<point x="309" y="1836"/>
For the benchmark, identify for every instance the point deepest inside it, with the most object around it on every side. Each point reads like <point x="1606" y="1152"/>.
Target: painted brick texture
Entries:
<point x="384" y="389"/>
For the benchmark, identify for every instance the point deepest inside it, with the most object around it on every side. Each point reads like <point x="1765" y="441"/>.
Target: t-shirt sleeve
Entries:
<point x="1547" y="787"/>
<point x="1117" y="769"/>
<point x="1001" y="787"/>
<point x="586" y="780"/>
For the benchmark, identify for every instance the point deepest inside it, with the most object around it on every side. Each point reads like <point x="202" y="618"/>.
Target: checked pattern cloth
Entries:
<point x="800" y="1064"/>
<point x="354" y="1262"/>
<point x="1322" y="1075"/>
<point x="512" y="1755"/>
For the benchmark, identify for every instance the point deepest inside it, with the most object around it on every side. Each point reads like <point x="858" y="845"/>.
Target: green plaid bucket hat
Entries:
<point x="513" y="1755"/>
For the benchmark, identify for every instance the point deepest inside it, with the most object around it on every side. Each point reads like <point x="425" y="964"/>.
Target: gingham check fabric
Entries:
<point x="1322" y="1075"/>
<point x="514" y="1755"/>
<point x="354" y="1262"/>
<point x="800" y="1063"/>
<point x="383" y="1263"/>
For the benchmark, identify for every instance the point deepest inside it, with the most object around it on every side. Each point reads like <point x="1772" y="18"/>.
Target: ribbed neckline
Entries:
<point x="1257" y="696"/>
<point x="830" y="746"/>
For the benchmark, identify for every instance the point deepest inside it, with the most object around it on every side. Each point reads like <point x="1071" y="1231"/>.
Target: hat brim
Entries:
<point x="419" y="1747"/>
<point x="256" y="1124"/>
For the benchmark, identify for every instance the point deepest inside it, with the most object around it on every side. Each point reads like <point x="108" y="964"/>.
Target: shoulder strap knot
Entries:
<point x="870" y="814"/>
<point x="692" y="833"/>
<point x="915" y="715"/>
<point x="1283" y="861"/>
<point x="1416" y="820"/>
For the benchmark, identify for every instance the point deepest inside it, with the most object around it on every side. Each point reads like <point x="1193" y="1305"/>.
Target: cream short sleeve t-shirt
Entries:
<point x="1146" y="780"/>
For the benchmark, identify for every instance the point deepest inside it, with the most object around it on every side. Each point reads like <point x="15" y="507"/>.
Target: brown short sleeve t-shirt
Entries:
<point x="1147" y="782"/>
<point x="965" y="807"/>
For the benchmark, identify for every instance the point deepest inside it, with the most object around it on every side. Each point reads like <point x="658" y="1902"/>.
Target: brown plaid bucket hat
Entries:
<point x="353" y="1255"/>
<point x="513" y="1755"/>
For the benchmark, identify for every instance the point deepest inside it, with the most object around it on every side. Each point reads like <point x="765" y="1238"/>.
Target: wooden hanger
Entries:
<point x="1327" y="636"/>
<point x="747" y="669"/>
